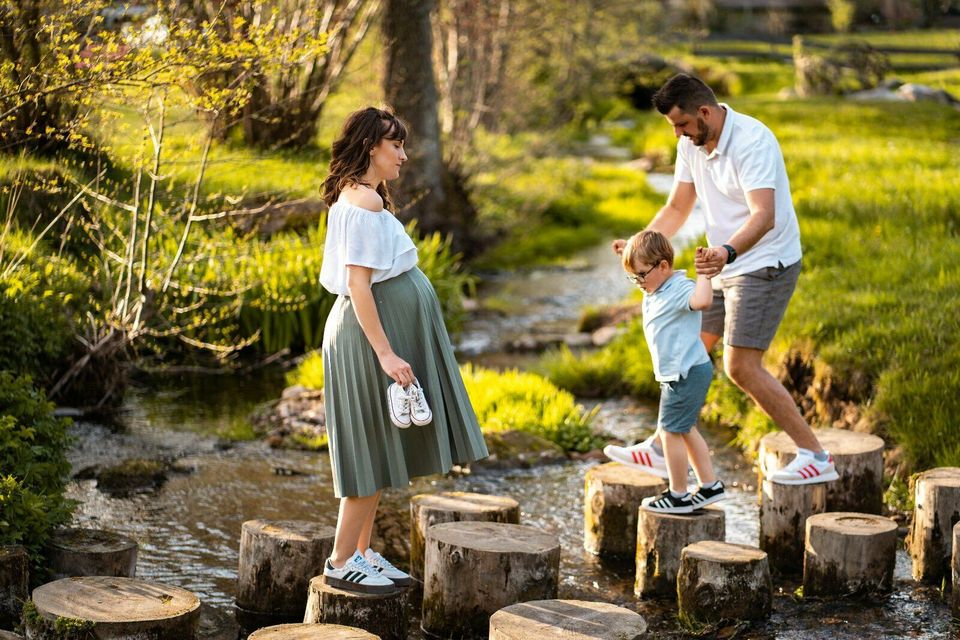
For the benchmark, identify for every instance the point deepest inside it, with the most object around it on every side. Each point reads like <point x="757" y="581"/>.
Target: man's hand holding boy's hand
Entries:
<point x="709" y="261"/>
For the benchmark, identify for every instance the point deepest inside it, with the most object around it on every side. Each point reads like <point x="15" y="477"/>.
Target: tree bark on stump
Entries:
<point x="92" y="552"/>
<point x="382" y="615"/>
<point x="10" y="635"/>
<point x="277" y="561"/>
<point x="849" y="554"/>
<point x="303" y="631"/>
<point x="661" y="538"/>
<point x="611" y="498"/>
<point x="473" y="569"/>
<point x="113" y="608"/>
<point x="14" y="584"/>
<point x="427" y="510"/>
<point x="936" y="512"/>
<point x="955" y="585"/>
<point x="784" y="509"/>
<point x="723" y="581"/>
<point x="858" y="458"/>
<point x="566" y="620"/>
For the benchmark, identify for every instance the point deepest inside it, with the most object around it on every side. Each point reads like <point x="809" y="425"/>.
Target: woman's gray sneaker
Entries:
<point x="387" y="569"/>
<point x="357" y="575"/>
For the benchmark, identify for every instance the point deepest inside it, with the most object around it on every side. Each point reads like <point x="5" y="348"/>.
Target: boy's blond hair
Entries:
<point x="648" y="247"/>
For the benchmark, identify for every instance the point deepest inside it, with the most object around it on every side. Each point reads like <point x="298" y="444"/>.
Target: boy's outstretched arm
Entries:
<point x="702" y="296"/>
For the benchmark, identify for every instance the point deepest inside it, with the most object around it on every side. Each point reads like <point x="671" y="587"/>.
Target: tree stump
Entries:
<point x="937" y="510"/>
<point x="473" y="569"/>
<point x="427" y="510"/>
<point x="14" y="584"/>
<point x="566" y="620"/>
<point x="723" y="581"/>
<point x="857" y="456"/>
<point x="303" y="631"/>
<point x="660" y="539"/>
<point x="10" y="635"/>
<point x="784" y="509"/>
<point x="955" y="585"/>
<point x="384" y="615"/>
<point x="91" y="552"/>
<point x="113" y="608"/>
<point x="611" y="497"/>
<point x="216" y="624"/>
<point x="849" y="554"/>
<point x="277" y="561"/>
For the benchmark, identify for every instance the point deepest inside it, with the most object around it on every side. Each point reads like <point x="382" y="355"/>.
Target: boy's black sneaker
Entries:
<point x="704" y="495"/>
<point x="667" y="503"/>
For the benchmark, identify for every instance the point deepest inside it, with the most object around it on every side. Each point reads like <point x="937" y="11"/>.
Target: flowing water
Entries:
<point x="189" y="529"/>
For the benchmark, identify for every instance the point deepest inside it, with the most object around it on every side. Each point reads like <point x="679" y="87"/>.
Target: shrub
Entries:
<point x="33" y="445"/>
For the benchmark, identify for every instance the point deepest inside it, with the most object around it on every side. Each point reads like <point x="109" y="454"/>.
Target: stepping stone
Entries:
<point x="427" y="510"/>
<point x="14" y="584"/>
<point x="114" y="608"/>
<point x="955" y="585"/>
<point x="311" y="632"/>
<point x="216" y="624"/>
<point x="858" y="458"/>
<point x="661" y="538"/>
<point x="611" y="497"/>
<point x="10" y="635"/>
<point x="937" y="508"/>
<point x="849" y="554"/>
<point x="91" y="552"/>
<point x="723" y="581"/>
<point x="566" y="620"/>
<point x="784" y="509"/>
<point x="277" y="561"/>
<point x="382" y="615"/>
<point x="474" y="569"/>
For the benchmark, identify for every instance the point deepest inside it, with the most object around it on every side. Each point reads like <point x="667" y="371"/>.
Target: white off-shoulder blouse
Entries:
<point x="358" y="236"/>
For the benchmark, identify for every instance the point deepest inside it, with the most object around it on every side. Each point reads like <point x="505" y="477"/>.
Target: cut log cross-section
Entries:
<point x="936" y="512"/>
<point x="566" y="620"/>
<point x="384" y="615"/>
<point x="473" y="569"/>
<point x="303" y="631"/>
<point x="92" y="552"/>
<point x="612" y="495"/>
<point x="14" y="584"/>
<point x="661" y="538"/>
<point x="858" y="458"/>
<point x="113" y="608"/>
<point x="849" y="554"/>
<point x="784" y="509"/>
<point x="723" y="581"/>
<point x="427" y="510"/>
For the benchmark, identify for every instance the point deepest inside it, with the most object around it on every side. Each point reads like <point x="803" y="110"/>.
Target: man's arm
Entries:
<point x="761" y="221"/>
<point x="672" y="215"/>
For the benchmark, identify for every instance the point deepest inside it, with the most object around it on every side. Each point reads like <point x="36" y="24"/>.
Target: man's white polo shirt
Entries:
<point x="747" y="157"/>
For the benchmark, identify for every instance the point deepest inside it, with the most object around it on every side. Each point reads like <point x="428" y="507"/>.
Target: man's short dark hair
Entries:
<point x="683" y="91"/>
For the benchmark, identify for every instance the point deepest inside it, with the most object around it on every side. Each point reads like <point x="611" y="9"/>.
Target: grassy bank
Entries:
<point x="871" y="336"/>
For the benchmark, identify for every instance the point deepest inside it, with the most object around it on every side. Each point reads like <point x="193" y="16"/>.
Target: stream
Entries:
<point x="189" y="529"/>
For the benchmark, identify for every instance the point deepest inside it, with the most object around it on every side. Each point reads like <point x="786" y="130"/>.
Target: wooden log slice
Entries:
<point x="566" y="620"/>
<point x="92" y="552"/>
<point x="661" y="538"/>
<point x="473" y="569"/>
<point x="114" y="608"/>
<point x="849" y="554"/>
<point x="857" y="456"/>
<point x="277" y="561"/>
<point x="936" y="511"/>
<point x="723" y="581"/>
<point x="303" y="631"/>
<point x="427" y="510"/>
<point x="14" y="584"/>
<point x="611" y="497"/>
<point x="784" y="509"/>
<point x="383" y="615"/>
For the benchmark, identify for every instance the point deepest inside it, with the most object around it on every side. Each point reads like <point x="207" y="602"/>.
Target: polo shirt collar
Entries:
<point x="725" y="134"/>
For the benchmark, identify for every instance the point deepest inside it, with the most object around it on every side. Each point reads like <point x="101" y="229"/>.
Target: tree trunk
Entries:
<point x="14" y="584"/>
<point x="382" y="615"/>
<point x="566" y="620"/>
<point x="311" y="632"/>
<point x="91" y="552"/>
<point x="849" y="554"/>
<point x="936" y="512"/>
<point x="722" y="581"/>
<point x="661" y="538"/>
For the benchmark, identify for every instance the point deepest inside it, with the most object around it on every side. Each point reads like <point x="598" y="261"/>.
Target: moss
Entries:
<point x="132" y="475"/>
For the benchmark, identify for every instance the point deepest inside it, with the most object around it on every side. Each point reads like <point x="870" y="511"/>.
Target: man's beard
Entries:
<point x="703" y="132"/>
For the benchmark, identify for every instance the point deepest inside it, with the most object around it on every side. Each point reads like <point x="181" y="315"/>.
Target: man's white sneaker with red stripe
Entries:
<point x="806" y="469"/>
<point x="640" y="456"/>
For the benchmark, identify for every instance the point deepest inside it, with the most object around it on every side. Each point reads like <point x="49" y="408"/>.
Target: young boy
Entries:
<point x="671" y="323"/>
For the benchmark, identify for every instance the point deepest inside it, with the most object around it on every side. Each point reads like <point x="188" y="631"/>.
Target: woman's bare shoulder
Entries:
<point x="363" y="197"/>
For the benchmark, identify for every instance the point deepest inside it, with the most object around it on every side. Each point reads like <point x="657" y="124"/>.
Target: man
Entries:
<point x="734" y="165"/>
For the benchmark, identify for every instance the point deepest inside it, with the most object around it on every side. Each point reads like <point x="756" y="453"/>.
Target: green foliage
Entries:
<point x="309" y="372"/>
<point x="527" y="402"/>
<point x="33" y="445"/>
<point x="841" y="14"/>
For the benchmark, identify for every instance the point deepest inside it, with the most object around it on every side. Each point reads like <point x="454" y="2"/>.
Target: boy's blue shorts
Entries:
<point x="681" y="400"/>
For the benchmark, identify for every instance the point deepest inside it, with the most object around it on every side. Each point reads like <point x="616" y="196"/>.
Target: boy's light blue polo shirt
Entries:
<point x="672" y="329"/>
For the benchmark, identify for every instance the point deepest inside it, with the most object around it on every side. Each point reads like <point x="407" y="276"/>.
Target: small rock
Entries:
<point x="293" y="391"/>
<point x="518" y="450"/>
<point x="605" y="335"/>
<point x="133" y="475"/>
<point x="578" y="340"/>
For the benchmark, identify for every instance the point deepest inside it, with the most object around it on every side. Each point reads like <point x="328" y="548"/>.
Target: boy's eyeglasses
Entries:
<point x="640" y="278"/>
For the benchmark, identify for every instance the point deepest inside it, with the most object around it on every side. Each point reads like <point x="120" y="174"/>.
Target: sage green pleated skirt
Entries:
<point x="367" y="452"/>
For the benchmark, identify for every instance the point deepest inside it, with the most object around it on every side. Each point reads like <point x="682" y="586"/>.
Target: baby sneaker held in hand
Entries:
<point x="398" y="401"/>
<point x="420" y="412"/>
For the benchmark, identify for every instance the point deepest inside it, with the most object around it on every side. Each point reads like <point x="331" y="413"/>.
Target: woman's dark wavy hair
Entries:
<point x="362" y="131"/>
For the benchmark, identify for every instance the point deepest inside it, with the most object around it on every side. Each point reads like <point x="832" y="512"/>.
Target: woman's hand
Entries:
<point x="397" y="368"/>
